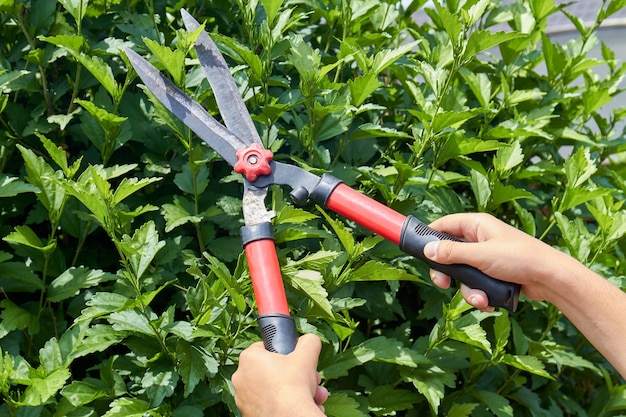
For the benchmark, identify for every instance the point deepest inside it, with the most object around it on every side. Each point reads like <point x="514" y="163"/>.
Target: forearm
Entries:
<point x="595" y="306"/>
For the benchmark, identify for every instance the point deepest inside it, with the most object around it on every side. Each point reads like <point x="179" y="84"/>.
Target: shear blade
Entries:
<point x="231" y="105"/>
<point x="190" y="112"/>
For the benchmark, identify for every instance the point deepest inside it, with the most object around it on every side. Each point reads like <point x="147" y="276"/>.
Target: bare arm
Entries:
<point x="590" y="302"/>
<point x="273" y="385"/>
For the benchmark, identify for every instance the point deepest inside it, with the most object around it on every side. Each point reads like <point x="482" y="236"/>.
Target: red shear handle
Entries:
<point x="411" y="236"/>
<point x="367" y="212"/>
<point x="278" y="329"/>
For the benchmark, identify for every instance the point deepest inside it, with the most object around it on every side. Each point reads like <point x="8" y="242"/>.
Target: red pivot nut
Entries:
<point x="253" y="162"/>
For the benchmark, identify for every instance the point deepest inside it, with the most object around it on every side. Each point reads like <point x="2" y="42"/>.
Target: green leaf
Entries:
<point x="311" y="283"/>
<point x="127" y="407"/>
<point x="80" y="393"/>
<point x="362" y="87"/>
<point x="481" y="189"/>
<point x="481" y="40"/>
<point x="142" y="247"/>
<point x="42" y="386"/>
<point x="305" y="60"/>
<point x="18" y="277"/>
<point x="527" y="363"/>
<point x="498" y="405"/>
<point x="172" y="60"/>
<point x="128" y="187"/>
<point x="479" y="84"/>
<point x="431" y="382"/>
<point x="228" y="281"/>
<point x="24" y="235"/>
<point x="453" y="119"/>
<point x="131" y="321"/>
<point x="101" y="72"/>
<point x="11" y="186"/>
<point x="159" y="385"/>
<point x="345" y="236"/>
<point x="179" y="213"/>
<point x="386" y="399"/>
<point x="195" y="364"/>
<point x="72" y="280"/>
<point x="462" y="410"/>
<point x="342" y="405"/>
<point x="378" y="271"/>
<point x="378" y="349"/>
<point x="271" y="8"/>
<point x="16" y="318"/>
<point x="77" y="8"/>
<point x="614" y="7"/>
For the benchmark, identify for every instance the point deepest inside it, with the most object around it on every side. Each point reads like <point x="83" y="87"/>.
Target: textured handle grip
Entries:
<point x="415" y="235"/>
<point x="278" y="332"/>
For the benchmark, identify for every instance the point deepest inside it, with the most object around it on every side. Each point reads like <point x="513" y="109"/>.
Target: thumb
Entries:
<point x="451" y="252"/>
<point x="308" y="349"/>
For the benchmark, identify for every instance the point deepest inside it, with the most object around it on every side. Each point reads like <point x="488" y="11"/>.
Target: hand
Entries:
<point x="273" y="385"/>
<point x="498" y="250"/>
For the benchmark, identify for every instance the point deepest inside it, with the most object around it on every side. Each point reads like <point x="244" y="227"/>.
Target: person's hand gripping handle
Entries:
<point x="411" y="236"/>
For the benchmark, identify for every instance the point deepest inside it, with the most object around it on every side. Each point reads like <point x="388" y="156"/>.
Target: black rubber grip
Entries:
<point x="278" y="332"/>
<point x="415" y="235"/>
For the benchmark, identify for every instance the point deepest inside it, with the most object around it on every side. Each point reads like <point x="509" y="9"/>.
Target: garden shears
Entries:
<point x="238" y="142"/>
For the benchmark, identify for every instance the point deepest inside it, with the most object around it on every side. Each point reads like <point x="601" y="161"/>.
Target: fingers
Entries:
<point x="440" y="279"/>
<point x="476" y="298"/>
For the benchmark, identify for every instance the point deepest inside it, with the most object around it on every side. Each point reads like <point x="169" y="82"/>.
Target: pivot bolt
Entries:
<point x="253" y="162"/>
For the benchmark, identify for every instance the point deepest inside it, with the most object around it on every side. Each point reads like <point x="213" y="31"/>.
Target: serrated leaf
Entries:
<point x="172" y="60"/>
<point x="498" y="405"/>
<point x="453" y="119"/>
<point x="386" y="399"/>
<point x="342" y="405"/>
<point x="12" y="186"/>
<point x="271" y="8"/>
<point x="142" y="247"/>
<point x="378" y="349"/>
<point x="362" y="87"/>
<point x="291" y="214"/>
<point x="462" y="410"/>
<point x="431" y="381"/>
<point x="195" y="364"/>
<point x="131" y="321"/>
<point x="101" y="72"/>
<point x="129" y="186"/>
<point x="77" y="8"/>
<point x="16" y="318"/>
<point x="527" y="363"/>
<point x="311" y="284"/>
<point x="80" y="393"/>
<point x="481" y="40"/>
<point x="24" y="235"/>
<point x="345" y="236"/>
<point x="127" y="407"/>
<point x="18" y="277"/>
<point x="159" y="385"/>
<point x="482" y="191"/>
<point x="228" y="281"/>
<point x="479" y="84"/>
<point x="378" y="271"/>
<point x="42" y="387"/>
<point x="179" y="213"/>
<point x="72" y="280"/>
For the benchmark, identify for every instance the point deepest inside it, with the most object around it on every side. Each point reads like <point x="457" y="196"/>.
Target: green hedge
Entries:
<point x="124" y="291"/>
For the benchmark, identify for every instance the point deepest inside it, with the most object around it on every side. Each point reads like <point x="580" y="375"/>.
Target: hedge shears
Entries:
<point x="238" y="143"/>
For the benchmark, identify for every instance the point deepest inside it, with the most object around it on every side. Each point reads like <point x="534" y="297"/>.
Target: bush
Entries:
<point x="124" y="287"/>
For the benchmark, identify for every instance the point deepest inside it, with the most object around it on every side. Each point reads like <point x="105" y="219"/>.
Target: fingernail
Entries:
<point x="430" y="250"/>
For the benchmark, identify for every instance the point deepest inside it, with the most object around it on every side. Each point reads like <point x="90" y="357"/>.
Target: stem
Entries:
<point x="42" y="72"/>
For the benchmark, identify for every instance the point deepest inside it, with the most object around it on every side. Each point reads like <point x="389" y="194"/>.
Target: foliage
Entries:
<point x="124" y="287"/>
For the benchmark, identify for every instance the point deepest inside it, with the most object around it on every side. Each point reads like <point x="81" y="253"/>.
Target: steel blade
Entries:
<point x="229" y="100"/>
<point x="190" y="112"/>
